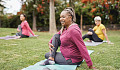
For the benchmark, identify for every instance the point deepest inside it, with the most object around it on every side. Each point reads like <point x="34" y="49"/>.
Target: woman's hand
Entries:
<point x="89" y="33"/>
<point x="36" y="36"/>
<point x="18" y="30"/>
<point x="50" y="46"/>
<point x="91" y="67"/>
<point x="110" y="42"/>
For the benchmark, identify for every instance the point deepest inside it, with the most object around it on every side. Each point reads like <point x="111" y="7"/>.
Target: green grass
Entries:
<point x="21" y="53"/>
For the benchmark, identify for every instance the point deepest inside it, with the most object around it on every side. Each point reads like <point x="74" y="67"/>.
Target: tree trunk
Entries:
<point x="65" y="2"/>
<point x="34" y="22"/>
<point x="70" y="3"/>
<point x="52" y="23"/>
<point x="81" y="19"/>
<point x="0" y="23"/>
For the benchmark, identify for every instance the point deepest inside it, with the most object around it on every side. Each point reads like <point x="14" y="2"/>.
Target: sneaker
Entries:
<point x="48" y="62"/>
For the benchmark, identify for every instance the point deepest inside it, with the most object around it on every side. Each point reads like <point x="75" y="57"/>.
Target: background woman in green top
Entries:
<point x="98" y="33"/>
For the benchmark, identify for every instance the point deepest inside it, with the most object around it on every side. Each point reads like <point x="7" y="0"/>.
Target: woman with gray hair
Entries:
<point x="69" y="38"/>
<point x="98" y="33"/>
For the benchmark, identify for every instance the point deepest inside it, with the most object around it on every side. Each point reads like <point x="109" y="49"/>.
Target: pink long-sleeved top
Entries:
<point x="72" y="45"/>
<point x="26" y="30"/>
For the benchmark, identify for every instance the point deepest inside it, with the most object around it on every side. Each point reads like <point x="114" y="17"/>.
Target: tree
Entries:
<point x="34" y="28"/>
<point x="52" y="23"/>
<point x="34" y="5"/>
<point x="71" y="3"/>
<point x="40" y="9"/>
<point x="1" y="10"/>
<point x="34" y="18"/>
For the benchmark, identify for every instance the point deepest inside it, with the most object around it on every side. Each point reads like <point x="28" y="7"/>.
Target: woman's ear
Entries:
<point x="70" y="17"/>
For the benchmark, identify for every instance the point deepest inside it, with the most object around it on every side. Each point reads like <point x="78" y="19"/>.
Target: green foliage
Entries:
<point x="12" y="21"/>
<point x="42" y="12"/>
<point x="109" y="15"/>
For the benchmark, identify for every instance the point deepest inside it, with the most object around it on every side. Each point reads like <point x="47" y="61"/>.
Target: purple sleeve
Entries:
<point x="76" y="37"/>
<point x="52" y="37"/>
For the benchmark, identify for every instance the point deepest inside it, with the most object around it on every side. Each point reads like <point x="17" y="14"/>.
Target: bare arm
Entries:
<point x="18" y="30"/>
<point x="103" y="30"/>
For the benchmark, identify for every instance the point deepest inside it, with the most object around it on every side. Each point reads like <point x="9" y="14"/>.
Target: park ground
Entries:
<point x="20" y="53"/>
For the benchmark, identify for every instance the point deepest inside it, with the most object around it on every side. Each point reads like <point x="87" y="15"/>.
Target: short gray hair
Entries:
<point x="97" y="18"/>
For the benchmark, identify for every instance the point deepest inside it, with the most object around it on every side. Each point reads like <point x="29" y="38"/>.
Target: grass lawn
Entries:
<point x="21" y="53"/>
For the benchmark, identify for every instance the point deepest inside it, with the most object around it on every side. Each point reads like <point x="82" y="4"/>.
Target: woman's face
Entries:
<point x="65" y="18"/>
<point x="97" y="22"/>
<point x="22" y="18"/>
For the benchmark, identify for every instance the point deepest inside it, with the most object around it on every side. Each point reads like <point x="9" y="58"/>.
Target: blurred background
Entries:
<point x="38" y="13"/>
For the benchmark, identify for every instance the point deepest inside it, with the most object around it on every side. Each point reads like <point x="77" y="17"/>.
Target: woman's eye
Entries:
<point x="62" y="17"/>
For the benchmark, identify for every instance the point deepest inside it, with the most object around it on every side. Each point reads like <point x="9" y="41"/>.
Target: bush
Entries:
<point x="10" y="22"/>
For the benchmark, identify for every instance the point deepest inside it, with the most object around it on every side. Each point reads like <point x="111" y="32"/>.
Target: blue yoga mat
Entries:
<point x="53" y="67"/>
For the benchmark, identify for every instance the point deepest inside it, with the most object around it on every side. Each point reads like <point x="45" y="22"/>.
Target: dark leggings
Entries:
<point x="22" y="35"/>
<point x="92" y="37"/>
<point x="59" y="58"/>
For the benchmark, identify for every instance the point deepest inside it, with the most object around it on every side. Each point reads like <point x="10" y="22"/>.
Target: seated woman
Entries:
<point x="98" y="33"/>
<point x="69" y="38"/>
<point x="24" y="28"/>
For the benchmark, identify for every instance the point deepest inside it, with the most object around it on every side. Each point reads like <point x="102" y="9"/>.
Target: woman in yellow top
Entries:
<point x="98" y="33"/>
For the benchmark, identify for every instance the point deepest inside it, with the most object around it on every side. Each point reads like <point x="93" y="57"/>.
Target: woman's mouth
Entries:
<point x="62" y="22"/>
